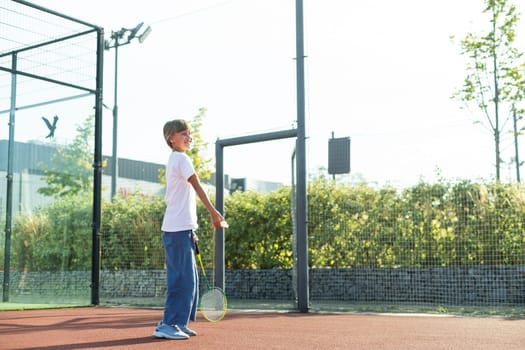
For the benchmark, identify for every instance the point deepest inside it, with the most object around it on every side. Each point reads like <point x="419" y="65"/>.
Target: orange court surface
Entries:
<point x="131" y="328"/>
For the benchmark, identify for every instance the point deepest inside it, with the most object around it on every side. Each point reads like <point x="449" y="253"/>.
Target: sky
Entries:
<point x="380" y="72"/>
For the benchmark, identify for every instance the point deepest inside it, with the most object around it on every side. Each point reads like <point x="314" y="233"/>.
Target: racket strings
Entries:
<point x="213" y="304"/>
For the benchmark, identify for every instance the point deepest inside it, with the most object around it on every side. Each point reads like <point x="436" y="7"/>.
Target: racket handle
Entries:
<point x="197" y="248"/>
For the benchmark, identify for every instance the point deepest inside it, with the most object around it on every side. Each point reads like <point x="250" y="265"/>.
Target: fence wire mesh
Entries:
<point x="441" y="244"/>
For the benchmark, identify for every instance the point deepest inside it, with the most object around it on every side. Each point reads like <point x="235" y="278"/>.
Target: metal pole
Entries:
<point x="9" y="189"/>
<point x="97" y="173"/>
<point x="114" y="168"/>
<point x="219" y="204"/>
<point x="302" y="217"/>
<point x="516" y="148"/>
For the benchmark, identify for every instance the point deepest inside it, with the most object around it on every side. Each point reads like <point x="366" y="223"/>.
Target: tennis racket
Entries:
<point x="213" y="303"/>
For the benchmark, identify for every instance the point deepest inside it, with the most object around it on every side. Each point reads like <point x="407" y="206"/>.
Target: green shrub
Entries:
<point x="442" y="224"/>
<point x="54" y="237"/>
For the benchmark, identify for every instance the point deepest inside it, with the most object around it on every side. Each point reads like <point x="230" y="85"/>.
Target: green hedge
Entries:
<point x="56" y="237"/>
<point x="442" y="224"/>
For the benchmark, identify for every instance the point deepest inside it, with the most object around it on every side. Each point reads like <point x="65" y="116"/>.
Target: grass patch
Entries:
<point x="475" y="311"/>
<point x="29" y="306"/>
<point x="513" y="311"/>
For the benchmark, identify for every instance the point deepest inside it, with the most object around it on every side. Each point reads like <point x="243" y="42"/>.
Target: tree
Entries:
<point x="495" y="83"/>
<point x="72" y="169"/>
<point x="198" y="146"/>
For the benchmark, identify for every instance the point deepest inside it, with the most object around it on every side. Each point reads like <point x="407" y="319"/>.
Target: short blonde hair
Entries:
<point x="173" y="126"/>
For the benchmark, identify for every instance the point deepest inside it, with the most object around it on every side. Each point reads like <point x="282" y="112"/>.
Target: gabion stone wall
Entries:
<point x="482" y="285"/>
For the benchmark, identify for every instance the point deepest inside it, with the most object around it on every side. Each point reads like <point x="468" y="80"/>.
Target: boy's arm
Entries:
<point x="216" y="217"/>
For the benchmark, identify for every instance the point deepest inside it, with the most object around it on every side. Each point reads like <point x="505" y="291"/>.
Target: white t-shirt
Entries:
<point x="181" y="206"/>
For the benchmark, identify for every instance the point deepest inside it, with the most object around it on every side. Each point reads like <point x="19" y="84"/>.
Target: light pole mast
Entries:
<point x="114" y="163"/>
<point x="303" y="294"/>
<point x="114" y="43"/>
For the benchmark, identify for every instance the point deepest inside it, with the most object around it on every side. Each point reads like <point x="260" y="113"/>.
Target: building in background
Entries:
<point x="245" y="184"/>
<point x="28" y="175"/>
<point x="134" y="176"/>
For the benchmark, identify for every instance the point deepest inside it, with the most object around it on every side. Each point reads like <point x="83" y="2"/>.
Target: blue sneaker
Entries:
<point x="169" y="332"/>
<point x="188" y="331"/>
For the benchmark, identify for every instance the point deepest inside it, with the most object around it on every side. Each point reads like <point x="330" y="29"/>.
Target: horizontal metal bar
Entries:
<point x="275" y="135"/>
<point x="47" y="102"/>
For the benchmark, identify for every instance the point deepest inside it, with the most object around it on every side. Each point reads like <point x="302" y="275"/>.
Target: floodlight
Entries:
<point x="133" y="32"/>
<point x="145" y="34"/>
